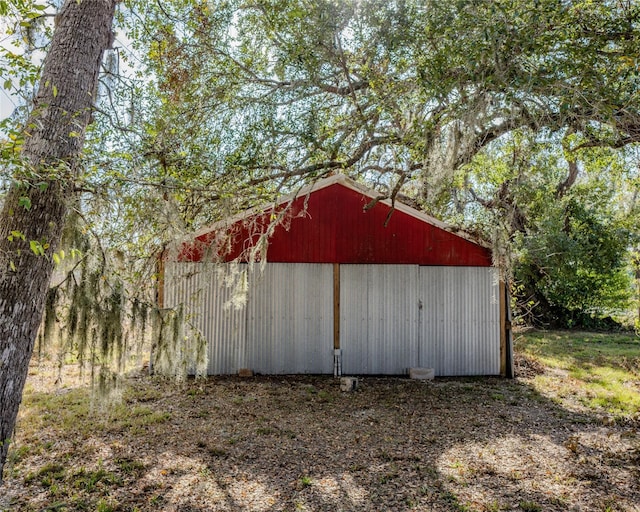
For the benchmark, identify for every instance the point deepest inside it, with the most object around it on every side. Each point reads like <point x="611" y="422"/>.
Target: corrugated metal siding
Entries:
<point x="287" y="323"/>
<point x="176" y="276"/>
<point x="285" y="327"/>
<point x="394" y="317"/>
<point x="225" y="324"/>
<point x="206" y="292"/>
<point x="290" y="319"/>
<point x="460" y="323"/>
<point x="331" y="226"/>
<point x="378" y="318"/>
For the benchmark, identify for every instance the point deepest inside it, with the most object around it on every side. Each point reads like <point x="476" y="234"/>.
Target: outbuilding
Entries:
<point x="345" y="283"/>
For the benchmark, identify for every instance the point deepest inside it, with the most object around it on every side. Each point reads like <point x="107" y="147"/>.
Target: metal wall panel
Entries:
<point x="379" y="310"/>
<point x="285" y="327"/>
<point x="290" y="319"/>
<point x="225" y="320"/>
<point x="331" y="225"/>
<point x="393" y="317"/>
<point x="460" y="321"/>
<point x="206" y="292"/>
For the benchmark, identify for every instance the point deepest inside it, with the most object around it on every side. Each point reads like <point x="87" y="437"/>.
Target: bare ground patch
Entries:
<point x="299" y="443"/>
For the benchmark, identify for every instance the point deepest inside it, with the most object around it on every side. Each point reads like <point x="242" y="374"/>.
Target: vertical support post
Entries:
<point x="337" y="353"/>
<point x="506" y="336"/>
<point x="503" y="329"/>
<point x="511" y="372"/>
<point x="336" y="305"/>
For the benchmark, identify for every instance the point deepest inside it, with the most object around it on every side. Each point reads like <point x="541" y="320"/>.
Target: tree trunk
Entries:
<point x="35" y="207"/>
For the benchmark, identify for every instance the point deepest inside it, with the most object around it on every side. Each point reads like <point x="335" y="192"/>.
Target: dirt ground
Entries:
<point x="301" y="444"/>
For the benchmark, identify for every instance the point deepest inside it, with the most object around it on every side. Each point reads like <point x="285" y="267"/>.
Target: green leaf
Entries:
<point x="25" y="202"/>
<point x="36" y="248"/>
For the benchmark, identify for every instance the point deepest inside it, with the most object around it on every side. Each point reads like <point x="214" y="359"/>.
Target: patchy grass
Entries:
<point x="602" y="370"/>
<point x="305" y="481"/>
<point x="298" y="443"/>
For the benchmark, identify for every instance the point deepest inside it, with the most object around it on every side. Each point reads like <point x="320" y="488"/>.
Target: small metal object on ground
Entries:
<point x="337" y="362"/>
<point x="348" y="383"/>
<point x="422" y="373"/>
<point x="245" y="372"/>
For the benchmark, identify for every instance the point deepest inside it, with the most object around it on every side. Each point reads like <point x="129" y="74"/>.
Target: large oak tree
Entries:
<point x="35" y="208"/>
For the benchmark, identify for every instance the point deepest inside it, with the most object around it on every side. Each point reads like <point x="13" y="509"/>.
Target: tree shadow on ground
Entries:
<point x="299" y="443"/>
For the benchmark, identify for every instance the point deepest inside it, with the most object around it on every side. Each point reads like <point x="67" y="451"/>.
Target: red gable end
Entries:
<point x="330" y="225"/>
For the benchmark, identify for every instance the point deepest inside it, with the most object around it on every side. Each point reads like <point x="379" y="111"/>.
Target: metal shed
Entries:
<point x="345" y="283"/>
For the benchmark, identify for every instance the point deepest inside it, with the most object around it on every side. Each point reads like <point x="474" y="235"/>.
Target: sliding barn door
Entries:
<point x="459" y="320"/>
<point x="378" y="318"/>
<point x="290" y="319"/>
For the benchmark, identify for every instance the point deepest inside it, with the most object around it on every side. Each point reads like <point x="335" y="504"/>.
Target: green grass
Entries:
<point x="65" y="410"/>
<point x="73" y="412"/>
<point x="130" y="466"/>
<point x="88" y="480"/>
<point x="603" y="369"/>
<point x="530" y="506"/>
<point x="305" y="481"/>
<point x="47" y="475"/>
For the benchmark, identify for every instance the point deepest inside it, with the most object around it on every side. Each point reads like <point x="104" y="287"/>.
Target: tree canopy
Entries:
<point x="282" y="89"/>
<point x="242" y="101"/>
